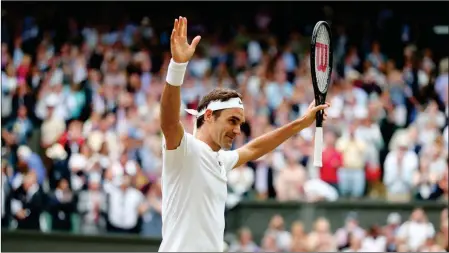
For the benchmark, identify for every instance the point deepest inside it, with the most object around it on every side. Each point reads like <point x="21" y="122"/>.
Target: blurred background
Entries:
<point x="81" y="145"/>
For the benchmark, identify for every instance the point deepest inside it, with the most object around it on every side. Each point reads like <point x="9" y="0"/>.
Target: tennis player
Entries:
<point x="194" y="172"/>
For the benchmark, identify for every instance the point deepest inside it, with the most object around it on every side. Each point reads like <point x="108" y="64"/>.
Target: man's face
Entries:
<point x="225" y="127"/>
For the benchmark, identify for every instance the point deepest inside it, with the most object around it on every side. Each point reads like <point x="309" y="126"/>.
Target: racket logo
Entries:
<point x="322" y="58"/>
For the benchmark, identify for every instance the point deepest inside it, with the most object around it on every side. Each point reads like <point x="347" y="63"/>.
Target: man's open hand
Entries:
<point x="181" y="51"/>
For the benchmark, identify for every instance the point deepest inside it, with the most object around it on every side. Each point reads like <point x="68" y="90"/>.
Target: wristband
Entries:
<point x="175" y="73"/>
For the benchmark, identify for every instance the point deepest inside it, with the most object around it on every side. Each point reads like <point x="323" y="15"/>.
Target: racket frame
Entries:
<point x="320" y="97"/>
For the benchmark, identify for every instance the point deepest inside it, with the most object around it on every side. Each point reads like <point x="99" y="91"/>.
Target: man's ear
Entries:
<point x="208" y="115"/>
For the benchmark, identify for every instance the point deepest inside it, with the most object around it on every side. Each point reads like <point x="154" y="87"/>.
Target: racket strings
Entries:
<point x="322" y="65"/>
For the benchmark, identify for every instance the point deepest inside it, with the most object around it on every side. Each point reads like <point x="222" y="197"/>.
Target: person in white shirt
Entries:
<point x="374" y="241"/>
<point x="416" y="230"/>
<point x="399" y="167"/>
<point x="194" y="180"/>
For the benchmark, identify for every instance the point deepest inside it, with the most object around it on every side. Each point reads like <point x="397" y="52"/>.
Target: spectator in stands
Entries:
<point x="399" y="166"/>
<point x="72" y="140"/>
<point x="124" y="206"/>
<point x="276" y="229"/>
<point x="58" y="164"/>
<point x="52" y="126"/>
<point x="351" y="176"/>
<point x="350" y="230"/>
<point x="152" y="211"/>
<point x="442" y="237"/>
<point x="28" y="203"/>
<point x="390" y="231"/>
<point x="17" y="132"/>
<point x="425" y="181"/>
<point x="374" y="240"/>
<point x="298" y="237"/>
<point x="414" y="232"/>
<point x="92" y="206"/>
<point x="33" y="162"/>
<point x="61" y="206"/>
<point x="290" y="179"/>
<point x="332" y="160"/>
<point x="240" y="181"/>
<point x="6" y="193"/>
<point x="244" y="243"/>
<point x="321" y="238"/>
<point x="354" y="245"/>
<point x="269" y="243"/>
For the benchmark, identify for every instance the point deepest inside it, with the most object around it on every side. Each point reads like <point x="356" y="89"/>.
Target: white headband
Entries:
<point x="214" y="106"/>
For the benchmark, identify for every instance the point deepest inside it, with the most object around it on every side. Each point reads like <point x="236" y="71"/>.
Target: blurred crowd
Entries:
<point x="396" y="234"/>
<point x="80" y="124"/>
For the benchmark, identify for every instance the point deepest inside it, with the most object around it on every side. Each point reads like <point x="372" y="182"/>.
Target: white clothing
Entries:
<point x="123" y="207"/>
<point x="318" y="188"/>
<point x="415" y="234"/>
<point x="398" y="177"/>
<point x="378" y="244"/>
<point x="194" y="193"/>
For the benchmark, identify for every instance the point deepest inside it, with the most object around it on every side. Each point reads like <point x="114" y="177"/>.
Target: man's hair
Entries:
<point x="216" y="94"/>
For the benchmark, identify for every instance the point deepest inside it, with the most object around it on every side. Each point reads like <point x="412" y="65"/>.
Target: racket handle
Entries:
<point x="318" y="148"/>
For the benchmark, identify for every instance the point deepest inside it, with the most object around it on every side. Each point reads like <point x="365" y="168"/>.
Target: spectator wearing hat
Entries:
<point x="390" y="230"/>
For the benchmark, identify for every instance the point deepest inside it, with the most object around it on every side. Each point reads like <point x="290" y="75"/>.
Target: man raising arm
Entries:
<point x="195" y="166"/>
<point x="171" y="95"/>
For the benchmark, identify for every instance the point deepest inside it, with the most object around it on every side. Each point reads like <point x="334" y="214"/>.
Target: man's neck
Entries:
<point x="204" y="136"/>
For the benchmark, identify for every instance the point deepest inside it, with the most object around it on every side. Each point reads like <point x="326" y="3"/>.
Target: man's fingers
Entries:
<point x="184" y="27"/>
<point x="175" y="27"/>
<point x="172" y="36"/>
<point x="195" y="42"/>
<point x="179" y="26"/>
<point x="321" y="107"/>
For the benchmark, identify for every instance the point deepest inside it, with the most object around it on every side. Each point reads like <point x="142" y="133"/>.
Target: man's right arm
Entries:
<point x="170" y="110"/>
<point x="181" y="52"/>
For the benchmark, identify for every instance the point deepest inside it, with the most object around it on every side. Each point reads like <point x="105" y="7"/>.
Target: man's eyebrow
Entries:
<point x="237" y="118"/>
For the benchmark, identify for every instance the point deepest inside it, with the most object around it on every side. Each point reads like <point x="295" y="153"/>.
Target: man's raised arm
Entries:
<point x="181" y="53"/>
<point x="269" y="141"/>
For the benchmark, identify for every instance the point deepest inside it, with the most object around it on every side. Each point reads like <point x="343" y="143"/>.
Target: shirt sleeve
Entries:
<point x="173" y="158"/>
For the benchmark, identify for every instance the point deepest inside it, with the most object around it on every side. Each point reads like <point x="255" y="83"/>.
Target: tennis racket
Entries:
<point x="321" y="67"/>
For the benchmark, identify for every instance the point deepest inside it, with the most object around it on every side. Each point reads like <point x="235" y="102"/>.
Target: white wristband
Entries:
<point x="175" y="73"/>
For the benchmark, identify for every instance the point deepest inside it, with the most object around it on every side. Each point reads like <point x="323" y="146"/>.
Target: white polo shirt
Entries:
<point x="194" y="192"/>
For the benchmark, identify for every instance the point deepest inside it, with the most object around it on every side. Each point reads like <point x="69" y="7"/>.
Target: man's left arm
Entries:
<point x="269" y="141"/>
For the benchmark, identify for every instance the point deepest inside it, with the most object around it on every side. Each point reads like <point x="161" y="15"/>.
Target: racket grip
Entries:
<point x="318" y="148"/>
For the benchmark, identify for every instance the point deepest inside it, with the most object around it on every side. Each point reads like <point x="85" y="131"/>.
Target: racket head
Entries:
<point x="321" y="60"/>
